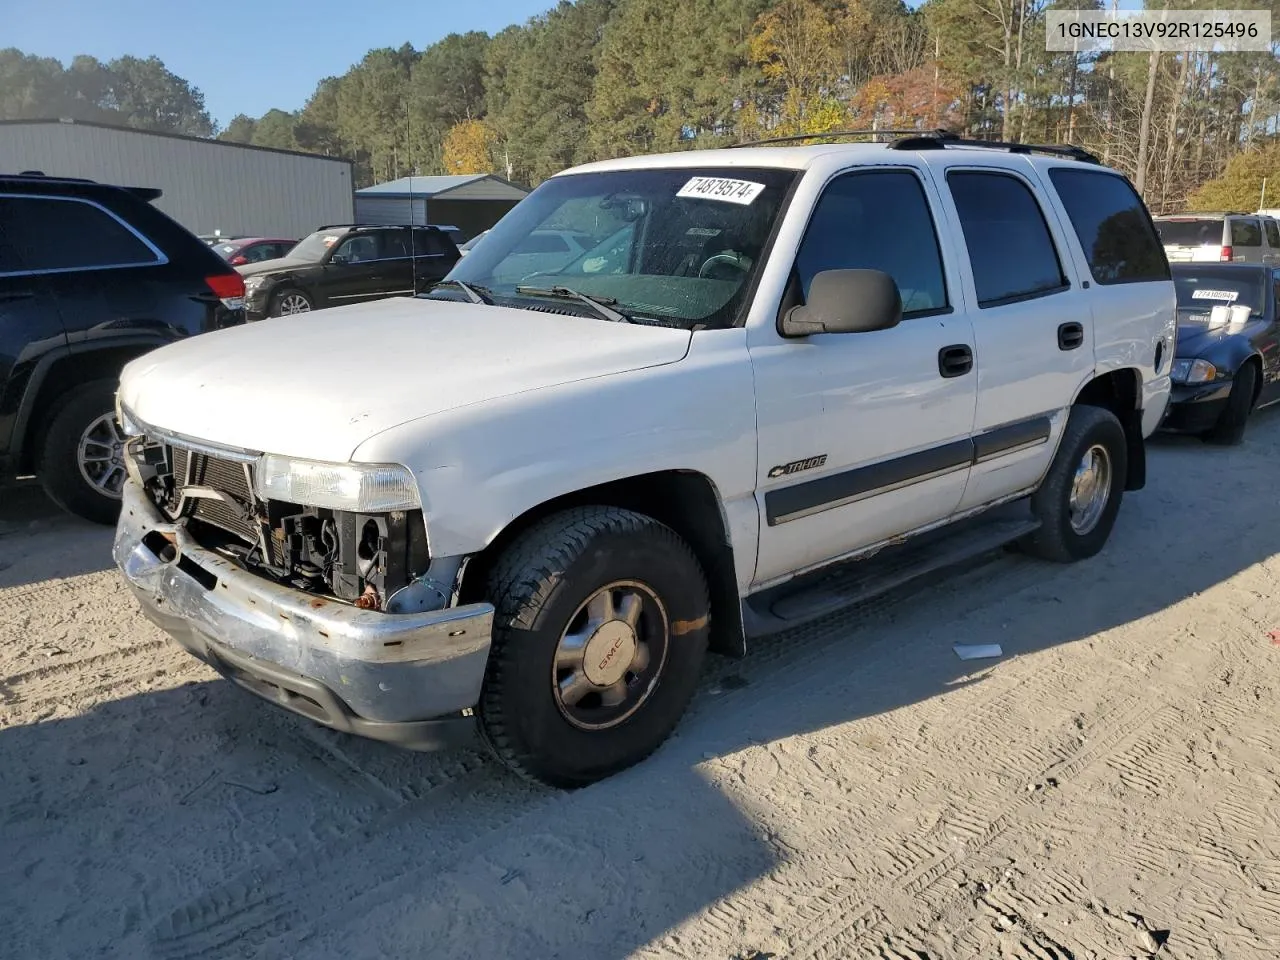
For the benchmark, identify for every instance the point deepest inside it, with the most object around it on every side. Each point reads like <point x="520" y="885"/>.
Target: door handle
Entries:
<point x="7" y="295"/>
<point x="955" y="360"/>
<point x="1070" y="335"/>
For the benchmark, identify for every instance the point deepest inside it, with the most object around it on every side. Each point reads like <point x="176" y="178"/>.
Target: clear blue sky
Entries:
<point x="248" y="55"/>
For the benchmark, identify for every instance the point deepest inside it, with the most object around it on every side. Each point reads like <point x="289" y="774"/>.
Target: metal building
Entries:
<point x="471" y="202"/>
<point x="209" y="186"/>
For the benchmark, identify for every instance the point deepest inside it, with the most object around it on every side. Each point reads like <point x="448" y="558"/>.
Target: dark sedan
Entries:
<point x="1227" y="362"/>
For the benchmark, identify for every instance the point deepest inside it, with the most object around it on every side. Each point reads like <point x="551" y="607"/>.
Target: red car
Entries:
<point x="243" y="250"/>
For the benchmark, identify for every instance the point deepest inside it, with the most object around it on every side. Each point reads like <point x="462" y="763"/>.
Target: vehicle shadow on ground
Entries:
<point x="198" y="821"/>
<point x="40" y="541"/>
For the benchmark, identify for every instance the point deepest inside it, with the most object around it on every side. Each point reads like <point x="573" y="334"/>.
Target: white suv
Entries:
<point x="528" y="507"/>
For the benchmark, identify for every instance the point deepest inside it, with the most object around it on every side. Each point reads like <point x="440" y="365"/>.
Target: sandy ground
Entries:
<point x="1107" y="789"/>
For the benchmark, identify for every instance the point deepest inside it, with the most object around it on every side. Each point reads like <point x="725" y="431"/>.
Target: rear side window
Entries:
<point x="877" y="220"/>
<point x="1246" y="233"/>
<point x="52" y="233"/>
<point x="1273" y="233"/>
<point x="430" y="243"/>
<point x="1112" y="225"/>
<point x="1009" y="244"/>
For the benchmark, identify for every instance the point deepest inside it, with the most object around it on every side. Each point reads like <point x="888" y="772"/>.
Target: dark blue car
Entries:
<point x="1227" y="363"/>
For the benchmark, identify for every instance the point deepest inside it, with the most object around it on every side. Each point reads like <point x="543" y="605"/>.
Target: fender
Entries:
<point x="142" y="343"/>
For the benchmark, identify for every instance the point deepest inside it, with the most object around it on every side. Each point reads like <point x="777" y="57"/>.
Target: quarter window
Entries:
<point x="49" y="233"/>
<point x="1273" y="233"/>
<point x="877" y="220"/>
<point x="1246" y="233"/>
<point x="1112" y="225"/>
<point x="1010" y="249"/>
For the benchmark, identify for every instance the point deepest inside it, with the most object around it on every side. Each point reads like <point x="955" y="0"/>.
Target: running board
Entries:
<point x="856" y="581"/>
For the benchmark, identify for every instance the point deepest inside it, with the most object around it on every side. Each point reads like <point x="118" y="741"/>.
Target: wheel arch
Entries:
<point x="685" y="500"/>
<point x="1120" y="391"/>
<point x="57" y="374"/>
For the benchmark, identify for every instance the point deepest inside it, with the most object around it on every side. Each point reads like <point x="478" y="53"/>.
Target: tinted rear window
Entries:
<point x="1202" y="288"/>
<point x="1273" y="233"/>
<point x="1112" y="225"/>
<point x="51" y="233"/>
<point x="1190" y="233"/>
<point x="1246" y="233"/>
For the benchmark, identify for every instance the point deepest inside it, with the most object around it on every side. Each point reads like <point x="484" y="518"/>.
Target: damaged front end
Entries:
<point x="358" y="537"/>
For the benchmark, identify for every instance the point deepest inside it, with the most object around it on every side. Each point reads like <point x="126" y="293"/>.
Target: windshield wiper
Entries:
<point x="476" y="294"/>
<point x="601" y="305"/>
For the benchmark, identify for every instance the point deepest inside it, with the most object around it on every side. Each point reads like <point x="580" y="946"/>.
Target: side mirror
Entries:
<point x="845" y="301"/>
<point x="339" y="258"/>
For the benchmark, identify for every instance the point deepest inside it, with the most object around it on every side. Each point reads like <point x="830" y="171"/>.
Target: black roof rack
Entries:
<point x="142" y="193"/>
<point x="829" y="135"/>
<point x="365" y="226"/>
<point x="941" y="139"/>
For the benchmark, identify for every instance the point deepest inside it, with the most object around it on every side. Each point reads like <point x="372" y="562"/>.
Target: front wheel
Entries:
<point x="1078" y="501"/>
<point x="600" y="630"/>
<point x="286" y="303"/>
<point x="1229" y="430"/>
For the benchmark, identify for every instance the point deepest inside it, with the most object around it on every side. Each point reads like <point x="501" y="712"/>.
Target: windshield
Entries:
<point x="1201" y="289"/>
<point x="1190" y="233"/>
<point x="314" y="247"/>
<point x="677" y="246"/>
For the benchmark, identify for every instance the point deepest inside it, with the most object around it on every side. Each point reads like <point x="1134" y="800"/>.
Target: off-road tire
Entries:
<point x="278" y="297"/>
<point x="1229" y="430"/>
<point x="536" y="586"/>
<point x="57" y="461"/>
<point x="1056" y="540"/>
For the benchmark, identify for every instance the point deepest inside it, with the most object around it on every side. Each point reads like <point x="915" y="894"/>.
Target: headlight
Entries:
<point x="253" y="283"/>
<point x="126" y="422"/>
<point x="354" y="487"/>
<point x="1193" y="371"/>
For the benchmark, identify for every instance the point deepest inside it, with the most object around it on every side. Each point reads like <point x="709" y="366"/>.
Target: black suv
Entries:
<point x="91" y="276"/>
<point x="348" y="263"/>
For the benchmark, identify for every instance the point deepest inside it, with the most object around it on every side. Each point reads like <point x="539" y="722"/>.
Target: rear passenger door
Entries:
<point x="1032" y="328"/>
<point x="30" y="326"/>
<point x="434" y="255"/>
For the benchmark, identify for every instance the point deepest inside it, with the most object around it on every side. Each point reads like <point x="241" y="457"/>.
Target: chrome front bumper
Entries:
<point x="408" y="679"/>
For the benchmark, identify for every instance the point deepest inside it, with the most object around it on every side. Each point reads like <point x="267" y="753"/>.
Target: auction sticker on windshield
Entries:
<point x="1228" y="295"/>
<point x="719" y="188"/>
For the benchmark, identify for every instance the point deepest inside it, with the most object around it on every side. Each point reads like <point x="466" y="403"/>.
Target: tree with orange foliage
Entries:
<point x="468" y="147"/>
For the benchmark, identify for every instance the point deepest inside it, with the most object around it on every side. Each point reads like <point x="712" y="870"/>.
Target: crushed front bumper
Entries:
<point x="410" y="679"/>
<point x="1195" y="408"/>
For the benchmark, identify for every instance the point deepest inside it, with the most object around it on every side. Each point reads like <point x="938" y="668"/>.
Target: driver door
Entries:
<point x="360" y="269"/>
<point x="865" y="436"/>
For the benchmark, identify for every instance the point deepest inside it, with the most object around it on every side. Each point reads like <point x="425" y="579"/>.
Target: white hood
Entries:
<point x="318" y="385"/>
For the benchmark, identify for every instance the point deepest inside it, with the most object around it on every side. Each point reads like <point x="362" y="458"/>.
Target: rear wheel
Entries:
<point x="600" y="632"/>
<point x="286" y="303"/>
<point x="1078" y="501"/>
<point x="81" y="460"/>
<point x="1229" y="430"/>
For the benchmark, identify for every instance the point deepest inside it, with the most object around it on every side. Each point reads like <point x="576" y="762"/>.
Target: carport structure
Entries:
<point x="472" y="202"/>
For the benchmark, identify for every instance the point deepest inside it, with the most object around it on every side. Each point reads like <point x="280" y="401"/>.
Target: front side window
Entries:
<point x="1010" y="248"/>
<point x="1112" y="226"/>
<point x="877" y="220"/>
<point x="1246" y="233"/>
<point x="50" y="233"/>
<point x="360" y="248"/>
<point x="677" y="246"/>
